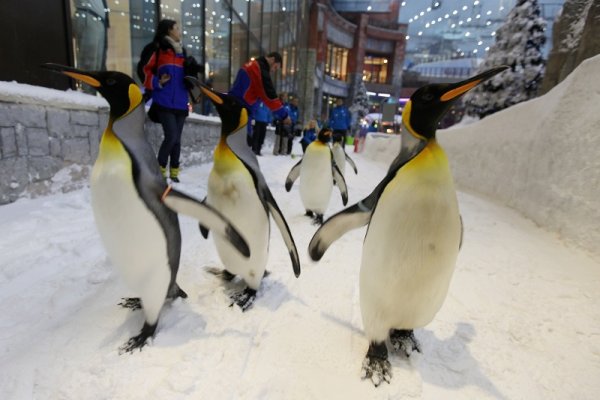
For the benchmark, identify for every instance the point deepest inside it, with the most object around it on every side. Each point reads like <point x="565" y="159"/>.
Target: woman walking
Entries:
<point x="164" y="75"/>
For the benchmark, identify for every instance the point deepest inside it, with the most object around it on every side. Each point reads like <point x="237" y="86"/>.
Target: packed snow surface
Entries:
<point x="521" y="320"/>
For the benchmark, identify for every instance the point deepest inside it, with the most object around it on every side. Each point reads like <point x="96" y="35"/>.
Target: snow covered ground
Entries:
<point x="521" y="320"/>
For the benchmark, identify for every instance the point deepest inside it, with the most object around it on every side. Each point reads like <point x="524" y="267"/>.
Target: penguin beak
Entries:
<point x="213" y="96"/>
<point x="87" y="77"/>
<point x="460" y="88"/>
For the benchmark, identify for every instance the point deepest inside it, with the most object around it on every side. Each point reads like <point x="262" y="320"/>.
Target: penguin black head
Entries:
<point x="324" y="135"/>
<point x="429" y="103"/>
<point x="121" y="92"/>
<point x="232" y="112"/>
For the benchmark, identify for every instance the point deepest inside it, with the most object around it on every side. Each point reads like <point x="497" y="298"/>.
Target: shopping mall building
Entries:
<point x="328" y="46"/>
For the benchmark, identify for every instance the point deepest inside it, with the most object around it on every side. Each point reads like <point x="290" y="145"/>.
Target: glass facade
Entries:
<point x="336" y="62"/>
<point x="375" y="69"/>
<point x="220" y="34"/>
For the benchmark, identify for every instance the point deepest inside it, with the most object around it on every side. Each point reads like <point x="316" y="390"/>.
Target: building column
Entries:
<point x="356" y="57"/>
<point x="398" y="66"/>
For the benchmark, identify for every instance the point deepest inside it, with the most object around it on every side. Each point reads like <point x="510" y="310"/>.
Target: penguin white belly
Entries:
<point x="410" y="250"/>
<point x="232" y="192"/>
<point x="316" y="181"/>
<point x="339" y="157"/>
<point x="131" y="234"/>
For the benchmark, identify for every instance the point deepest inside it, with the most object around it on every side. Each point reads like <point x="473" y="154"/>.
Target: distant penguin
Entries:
<point x="414" y="232"/>
<point x="340" y="157"/>
<point x="317" y="172"/>
<point x="134" y="209"/>
<point x="237" y="188"/>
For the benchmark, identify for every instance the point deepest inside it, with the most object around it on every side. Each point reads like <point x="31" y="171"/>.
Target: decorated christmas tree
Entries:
<point x="519" y="45"/>
<point x="360" y="103"/>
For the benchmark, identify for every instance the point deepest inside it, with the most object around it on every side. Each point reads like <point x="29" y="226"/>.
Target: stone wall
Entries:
<point x="42" y="142"/>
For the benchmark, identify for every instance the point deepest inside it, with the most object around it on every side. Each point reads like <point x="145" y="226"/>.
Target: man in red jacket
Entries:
<point x="253" y="81"/>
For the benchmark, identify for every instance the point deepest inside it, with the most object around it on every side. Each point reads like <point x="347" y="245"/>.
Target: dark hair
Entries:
<point x="163" y="28"/>
<point x="276" y="56"/>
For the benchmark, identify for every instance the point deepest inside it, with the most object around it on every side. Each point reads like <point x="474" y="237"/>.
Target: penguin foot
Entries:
<point x="227" y="276"/>
<point x="139" y="341"/>
<point x="404" y="341"/>
<point x="309" y="214"/>
<point x="221" y="273"/>
<point x="244" y="299"/>
<point x="176" y="292"/>
<point x="376" y="366"/>
<point x="133" y="303"/>
<point x="318" y="219"/>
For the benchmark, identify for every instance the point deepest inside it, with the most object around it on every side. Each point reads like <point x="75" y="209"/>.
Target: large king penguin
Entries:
<point x="414" y="232"/>
<point x="340" y="156"/>
<point x="317" y="171"/>
<point x="238" y="189"/>
<point x="134" y="209"/>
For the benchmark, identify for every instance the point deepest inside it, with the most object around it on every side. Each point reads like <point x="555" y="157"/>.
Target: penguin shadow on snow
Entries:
<point x="270" y="295"/>
<point x="179" y="324"/>
<point x="449" y="363"/>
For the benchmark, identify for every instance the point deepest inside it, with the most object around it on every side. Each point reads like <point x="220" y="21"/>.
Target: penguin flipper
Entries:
<point x="335" y="227"/>
<point x="211" y="218"/>
<point x="203" y="231"/>
<point x="339" y="180"/>
<point x="283" y="228"/>
<point x="351" y="162"/>
<point x="292" y="176"/>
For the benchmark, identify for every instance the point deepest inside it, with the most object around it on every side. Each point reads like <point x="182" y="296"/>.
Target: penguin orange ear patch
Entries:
<point x="84" y="78"/>
<point x="216" y="99"/>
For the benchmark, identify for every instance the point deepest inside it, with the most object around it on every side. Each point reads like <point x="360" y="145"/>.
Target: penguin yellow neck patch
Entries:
<point x="243" y="119"/>
<point x="135" y="97"/>
<point x="406" y="121"/>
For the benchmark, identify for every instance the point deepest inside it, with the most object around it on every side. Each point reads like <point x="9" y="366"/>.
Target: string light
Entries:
<point x="467" y="17"/>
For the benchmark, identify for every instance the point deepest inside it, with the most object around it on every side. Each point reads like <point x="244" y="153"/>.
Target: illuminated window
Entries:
<point x="336" y="62"/>
<point x="375" y="69"/>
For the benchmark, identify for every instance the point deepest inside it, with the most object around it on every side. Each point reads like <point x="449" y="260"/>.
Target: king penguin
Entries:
<point x="414" y="232"/>
<point x="340" y="156"/>
<point x="134" y="209"/>
<point x="317" y="171"/>
<point x="238" y="189"/>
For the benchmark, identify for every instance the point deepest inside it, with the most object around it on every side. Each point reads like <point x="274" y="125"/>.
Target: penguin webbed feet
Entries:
<point x="309" y="214"/>
<point x="404" y="341"/>
<point x="376" y="365"/>
<point x="132" y="303"/>
<point x="139" y="341"/>
<point x="318" y="219"/>
<point x="244" y="299"/>
<point x="176" y="292"/>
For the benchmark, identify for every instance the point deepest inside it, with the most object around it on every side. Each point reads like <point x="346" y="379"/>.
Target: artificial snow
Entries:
<point x="521" y="319"/>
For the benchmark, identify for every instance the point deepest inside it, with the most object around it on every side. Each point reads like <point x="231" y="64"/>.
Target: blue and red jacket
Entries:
<point x="253" y="82"/>
<point x="173" y="94"/>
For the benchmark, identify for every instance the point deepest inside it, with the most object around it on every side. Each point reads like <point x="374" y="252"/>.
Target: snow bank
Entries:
<point x="23" y="93"/>
<point x="539" y="157"/>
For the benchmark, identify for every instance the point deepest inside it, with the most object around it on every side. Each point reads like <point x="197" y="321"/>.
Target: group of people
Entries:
<point x="163" y="80"/>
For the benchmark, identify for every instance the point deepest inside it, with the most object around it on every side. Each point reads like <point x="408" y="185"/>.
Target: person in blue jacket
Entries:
<point x="164" y="73"/>
<point x="340" y="120"/>
<point x="309" y="134"/>
<point x="294" y="115"/>
<point x="262" y="117"/>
